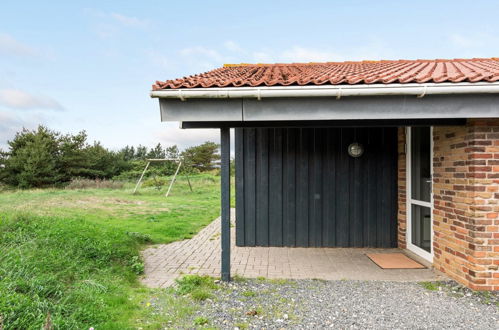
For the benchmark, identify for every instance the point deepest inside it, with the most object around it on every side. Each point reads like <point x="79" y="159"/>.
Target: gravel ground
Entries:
<point x="313" y="304"/>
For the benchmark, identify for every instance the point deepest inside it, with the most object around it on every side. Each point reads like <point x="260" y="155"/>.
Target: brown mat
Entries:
<point x="394" y="261"/>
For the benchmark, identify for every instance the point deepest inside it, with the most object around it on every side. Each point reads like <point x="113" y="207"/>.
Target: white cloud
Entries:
<point x="184" y="138"/>
<point x="128" y="20"/>
<point x="10" y="46"/>
<point x="8" y="128"/>
<point x="159" y="59"/>
<point x="477" y="42"/>
<point x="211" y="57"/>
<point x="205" y="58"/>
<point x="200" y="58"/>
<point x="11" y="123"/>
<point x="202" y="51"/>
<point x="105" y="30"/>
<point x="233" y="47"/>
<point x="463" y="41"/>
<point x="17" y="99"/>
<point x="302" y="54"/>
<point x="262" y="57"/>
<point x="374" y="50"/>
<point x="107" y="25"/>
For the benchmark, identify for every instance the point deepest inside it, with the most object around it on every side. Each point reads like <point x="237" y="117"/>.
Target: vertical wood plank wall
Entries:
<point x="299" y="187"/>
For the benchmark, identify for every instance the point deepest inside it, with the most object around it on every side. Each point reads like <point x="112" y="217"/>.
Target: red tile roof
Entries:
<point x="335" y="73"/>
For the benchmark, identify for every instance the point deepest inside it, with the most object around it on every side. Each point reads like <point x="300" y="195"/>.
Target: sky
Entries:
<point x="89" y="65"/>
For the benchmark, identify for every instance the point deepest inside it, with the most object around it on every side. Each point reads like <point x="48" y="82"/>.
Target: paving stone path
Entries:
<point x="201" y="255"/>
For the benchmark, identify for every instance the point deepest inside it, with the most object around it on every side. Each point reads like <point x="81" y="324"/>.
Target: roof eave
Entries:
<point x="338" y="91"/>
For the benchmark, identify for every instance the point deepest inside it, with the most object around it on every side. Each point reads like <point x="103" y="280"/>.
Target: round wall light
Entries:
<point x="355" y="149"/>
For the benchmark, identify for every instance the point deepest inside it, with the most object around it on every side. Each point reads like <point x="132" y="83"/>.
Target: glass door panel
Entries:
<point x="419" y="211"/>
<point x="421" y="164"/>
<point x="421" y="227"/>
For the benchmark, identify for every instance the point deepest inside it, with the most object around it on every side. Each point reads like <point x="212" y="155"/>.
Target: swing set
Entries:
<point x="179" y="161"/>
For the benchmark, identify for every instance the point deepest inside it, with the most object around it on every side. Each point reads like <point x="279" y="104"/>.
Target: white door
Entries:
<point x="419" y="191"/>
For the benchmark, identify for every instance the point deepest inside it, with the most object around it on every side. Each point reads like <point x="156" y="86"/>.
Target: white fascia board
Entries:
<point x="338" y="91"/>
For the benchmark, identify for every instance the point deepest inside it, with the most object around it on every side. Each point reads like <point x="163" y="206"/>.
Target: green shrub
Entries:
<point x="189" y="283"/>
<point x="3" y="187"/>
<point x="81" y="183"/>
<point x="202" y="157"/>
<point x="142" y="238"/>
<point x="249" y="293"/>
<point x="432" y="286"/>
<point x="156" y="182"/>
<point x="43" y="157"/>
<point x="137" y="265"/>
<point x="238" y="278"/>
<point x="201" y="320"/>
<point x="201" y="294"/>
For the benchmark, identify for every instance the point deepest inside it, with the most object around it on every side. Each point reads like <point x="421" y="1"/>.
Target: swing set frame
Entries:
<point x="179" y="161"/>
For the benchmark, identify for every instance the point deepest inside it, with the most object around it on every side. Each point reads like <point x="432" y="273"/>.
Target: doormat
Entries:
<point x="394" y="261"/>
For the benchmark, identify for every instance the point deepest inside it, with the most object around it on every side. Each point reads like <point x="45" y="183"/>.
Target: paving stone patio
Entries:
<point x="201" y="255"/>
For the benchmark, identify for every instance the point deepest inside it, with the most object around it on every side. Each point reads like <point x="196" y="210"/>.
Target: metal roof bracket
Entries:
<point x="338" y="96"/>
<point x="420" y="96"/>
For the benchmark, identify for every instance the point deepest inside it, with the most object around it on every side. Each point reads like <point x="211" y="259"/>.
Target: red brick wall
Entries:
<point x="466" y="203"/>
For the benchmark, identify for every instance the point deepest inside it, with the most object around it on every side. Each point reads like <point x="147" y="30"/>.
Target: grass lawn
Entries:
<point x="73" y="255"/>
<point x="148" y="212"/>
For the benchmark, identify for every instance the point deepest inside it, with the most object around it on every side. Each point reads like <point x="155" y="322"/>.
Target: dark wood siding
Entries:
<point x="299" y="187"/>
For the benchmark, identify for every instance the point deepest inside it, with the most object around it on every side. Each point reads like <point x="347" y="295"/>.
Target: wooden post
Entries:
<point x="173" y="180"/>
<point x="141" y="176"/>
<point x="225" y="201"/>
<point x="149" y="161"/>
<point x="188" y="181"/>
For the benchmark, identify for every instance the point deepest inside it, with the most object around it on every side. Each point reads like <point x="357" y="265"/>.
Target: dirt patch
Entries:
<point x="113" y="205"/>
<point x="108" y="200"/>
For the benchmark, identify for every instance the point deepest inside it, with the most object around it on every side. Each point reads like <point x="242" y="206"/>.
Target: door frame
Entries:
<point x="409" y="201"/>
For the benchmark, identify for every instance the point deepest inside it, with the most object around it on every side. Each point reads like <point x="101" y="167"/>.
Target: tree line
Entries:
<point x="43" y="157"/>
